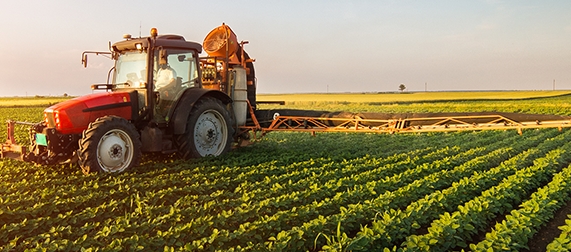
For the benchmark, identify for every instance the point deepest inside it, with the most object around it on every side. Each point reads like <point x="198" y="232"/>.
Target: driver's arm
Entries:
<point x="165" y="79"/>
<point x="172" y="79"/>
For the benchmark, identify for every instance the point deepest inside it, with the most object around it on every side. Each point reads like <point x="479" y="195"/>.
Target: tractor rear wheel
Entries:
<point x="208" y="130"/>
<point x="109" y="144"/>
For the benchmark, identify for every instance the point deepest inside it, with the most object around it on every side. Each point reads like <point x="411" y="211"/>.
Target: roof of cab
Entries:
<point x="168" y="41"/>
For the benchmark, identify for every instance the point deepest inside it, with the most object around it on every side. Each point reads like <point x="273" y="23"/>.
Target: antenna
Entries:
<point x="140" y="29"/>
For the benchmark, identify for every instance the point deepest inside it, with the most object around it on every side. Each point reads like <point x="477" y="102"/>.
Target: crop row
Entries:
<point x="57" y="195"/>
<point x="357" y="215"/>
<point x="394" y="225"/>
<point x="291" y="198"/>
<point x="563" y="242"/>
<point x="102" y="213"/>
<point x="521" y="224"/>
<point x="96" y="202"/>
<point x="297" y="216"/>
<point x="456" y="229"/>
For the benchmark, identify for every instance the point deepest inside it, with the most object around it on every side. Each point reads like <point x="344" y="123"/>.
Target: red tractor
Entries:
<point x="161" y="97"/>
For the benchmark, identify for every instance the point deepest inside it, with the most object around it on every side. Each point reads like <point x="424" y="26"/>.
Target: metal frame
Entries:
<point x="10" y="149"/>
<point x="391" y="126"/>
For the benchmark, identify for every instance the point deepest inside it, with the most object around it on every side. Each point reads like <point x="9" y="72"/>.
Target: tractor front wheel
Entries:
<point x="109" y="144"/>
<point x="208" y="131"/>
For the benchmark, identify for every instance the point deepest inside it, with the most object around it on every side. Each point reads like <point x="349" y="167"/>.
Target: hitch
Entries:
<point x="10" y="149"/>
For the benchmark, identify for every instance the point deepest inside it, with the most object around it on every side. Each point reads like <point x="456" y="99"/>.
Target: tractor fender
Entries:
<point x="186" y="103"/>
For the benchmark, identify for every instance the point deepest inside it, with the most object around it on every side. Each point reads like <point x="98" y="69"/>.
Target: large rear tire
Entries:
<point x="208" y="130"/>
<point x="109" y="144"/>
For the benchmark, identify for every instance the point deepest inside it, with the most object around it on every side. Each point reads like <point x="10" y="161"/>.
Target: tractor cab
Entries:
<point x="158" y="68"/>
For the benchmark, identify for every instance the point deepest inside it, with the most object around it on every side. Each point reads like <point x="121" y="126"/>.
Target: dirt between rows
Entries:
<point x="549" y="232"/>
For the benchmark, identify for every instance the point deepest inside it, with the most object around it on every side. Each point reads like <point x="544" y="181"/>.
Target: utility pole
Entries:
<point x="425" y="87"/>
<point x="553" y="84"/>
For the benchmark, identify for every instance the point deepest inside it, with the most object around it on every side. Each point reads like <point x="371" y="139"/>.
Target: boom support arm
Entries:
<point x="437" y="123"/>
<point x="430" y="124"/>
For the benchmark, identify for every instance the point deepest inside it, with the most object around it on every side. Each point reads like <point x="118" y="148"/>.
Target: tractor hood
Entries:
<point x="73" y="116"/>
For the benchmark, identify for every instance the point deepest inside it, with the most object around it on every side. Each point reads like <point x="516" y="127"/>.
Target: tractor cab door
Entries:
<point x="130" y="73"/>
<point x="174" y="71"/>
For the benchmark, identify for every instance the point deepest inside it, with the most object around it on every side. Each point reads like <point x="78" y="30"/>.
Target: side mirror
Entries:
<point x="163" y="54"/>
<point x="84" y="56"/>
<point x="84" y="60"/>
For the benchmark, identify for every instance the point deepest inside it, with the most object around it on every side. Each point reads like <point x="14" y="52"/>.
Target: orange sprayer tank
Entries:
<point x="218" y="40"/>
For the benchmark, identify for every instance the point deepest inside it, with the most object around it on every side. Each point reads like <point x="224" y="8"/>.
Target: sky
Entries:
<point x="303" y="46"/>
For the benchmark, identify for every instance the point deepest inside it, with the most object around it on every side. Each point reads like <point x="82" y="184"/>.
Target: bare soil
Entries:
<point x="550" y="231"/>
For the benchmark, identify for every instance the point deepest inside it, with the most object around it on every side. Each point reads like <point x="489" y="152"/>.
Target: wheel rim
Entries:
<point x="115" y="151"/>
<point x="210" y="133"/>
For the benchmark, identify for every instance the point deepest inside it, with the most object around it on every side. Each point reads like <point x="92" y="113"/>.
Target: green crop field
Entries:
<point x="480" y="191"/>
<point x="516" y="101"/>
<point x="410" y="96"/>
<point x="30" y="101"/>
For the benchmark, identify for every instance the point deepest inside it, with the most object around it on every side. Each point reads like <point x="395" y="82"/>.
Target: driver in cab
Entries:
<point x="165" y="80"/>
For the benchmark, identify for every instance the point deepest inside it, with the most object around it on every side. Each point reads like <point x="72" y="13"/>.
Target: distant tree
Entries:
<point x="65" y="94"/>
<point x="402" y="87"/>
